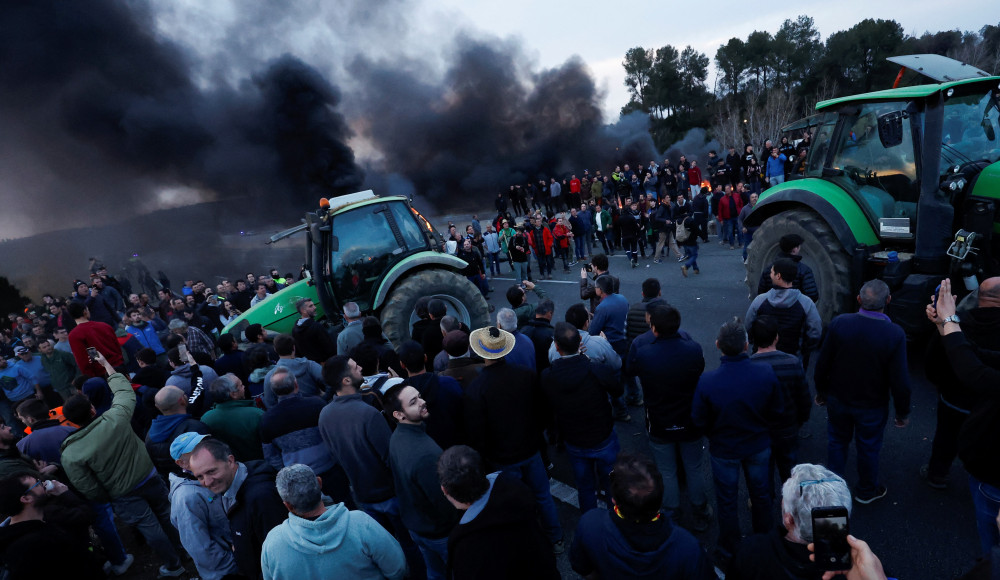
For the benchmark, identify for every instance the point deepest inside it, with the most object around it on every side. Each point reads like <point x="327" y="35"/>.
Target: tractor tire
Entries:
<point x="463" y="299"/>
<point x="821" y="251"/>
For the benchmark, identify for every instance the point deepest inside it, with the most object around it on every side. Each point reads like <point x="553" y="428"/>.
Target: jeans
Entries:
<point x="563" y="254"/>
<point x="692" y="455"/>
<point x="520" y="271"/>
<point x="104" y="528"/>
<point x="986" y="500"/>
<point x="494" y="259"/>
<point x="481" y="283"/>
<point x="944" y="450"/>
<point x="726" y="475"/>
<point x="532" y="472"/>
<point x="435" y="552"/>
<point x="148" y="509"/>
<point x="867" y="427"/>
<point x="785" y="452"/>
<point x="729" y="231"/>
<point x="695" y="189"/>
<point x="747" y="238"/>
<point x="386" y="513"/>
<point x="631" y="391"/>
<point x="585" y="461"/>
<point x="543" y="263"/>
<point x="692" y="259"/>
<point x="776" y="180"/>
<point x="580" y="244"/>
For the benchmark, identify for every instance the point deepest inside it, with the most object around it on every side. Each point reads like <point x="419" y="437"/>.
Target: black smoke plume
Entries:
<point x="101" y="115"/>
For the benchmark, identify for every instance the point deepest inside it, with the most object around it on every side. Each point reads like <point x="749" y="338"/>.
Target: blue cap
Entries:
<point x="185" y="443"/>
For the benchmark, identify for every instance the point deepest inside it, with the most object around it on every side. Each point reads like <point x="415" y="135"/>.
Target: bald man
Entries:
<point x="172" y="402"/>
<point x="980" y="319"/>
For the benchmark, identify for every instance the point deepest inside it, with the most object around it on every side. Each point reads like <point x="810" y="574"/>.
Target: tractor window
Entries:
<point x="971" y="128"/>
<point x="820" y="145"/>
<point x="366" y="246"/>
<point x="885" y="177"/>
<point x="408" y="228"/>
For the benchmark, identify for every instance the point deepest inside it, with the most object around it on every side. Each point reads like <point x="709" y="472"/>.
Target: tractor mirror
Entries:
<point x="890" y="129"/>
<point x="988" y="129"/>
<point x="334" y="244"/>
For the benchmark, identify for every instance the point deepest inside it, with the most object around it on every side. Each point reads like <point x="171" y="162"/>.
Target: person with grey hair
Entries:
<point x="523" y="354"/>
<point x="195" y="339"/>
<point x="234" y="419"/>
<point x="317" y="538"/>
<point x="736" y="404"/>
<point x="781" y="553"/>
<point x="351" y="335"/>
<point x="862" y="363"/>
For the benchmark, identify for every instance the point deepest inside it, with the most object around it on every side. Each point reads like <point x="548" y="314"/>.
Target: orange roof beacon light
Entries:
<point x="324" y="203"/>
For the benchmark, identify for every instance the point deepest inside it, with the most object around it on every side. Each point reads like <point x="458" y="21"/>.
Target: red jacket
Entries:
<point x="574" y="186"/>
<point x="100" y="336"/>
<point x="546" y="238"/>
<point x="694" y="176"/>
<point x="724" y="208"/>
<point x="561" y="233"/>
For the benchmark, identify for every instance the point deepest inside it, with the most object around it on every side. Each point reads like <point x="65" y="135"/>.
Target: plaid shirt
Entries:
<point x="198" y="341"/>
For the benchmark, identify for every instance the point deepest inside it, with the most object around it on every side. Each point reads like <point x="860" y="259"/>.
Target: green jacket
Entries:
<point x="597" y="189"/>
<point x="525" y="311"/>
<point x="105" y="460"/>
<point x="605" y="218"/>
<point x="505" y="236"/>
<point x="238" y="424"/>
<point x="62" y="369"/>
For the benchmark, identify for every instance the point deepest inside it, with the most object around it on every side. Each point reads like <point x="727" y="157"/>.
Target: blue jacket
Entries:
<point x="609" y="317"/>
<point x="614" y="548"/>
<point x="775" y="166"/>
<point x="147" y="336"/>
<point x="738" y="404"/>
<point x="45" y="440"/>
<point x="523" y="353"/>
<point x="668" y="368"/>
<point x="289" y="433"/>
<point x="339" y="543"/>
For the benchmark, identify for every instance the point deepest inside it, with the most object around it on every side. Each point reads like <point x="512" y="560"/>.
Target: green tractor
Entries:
<point x="379" y="252"/>
<point x="900" y="184"/>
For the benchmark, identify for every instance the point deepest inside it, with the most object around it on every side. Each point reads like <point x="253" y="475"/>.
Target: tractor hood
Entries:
<point x="277" y="312"/>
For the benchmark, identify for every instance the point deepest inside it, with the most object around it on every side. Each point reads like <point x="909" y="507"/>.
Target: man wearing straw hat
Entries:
<point x="503" y="419"/>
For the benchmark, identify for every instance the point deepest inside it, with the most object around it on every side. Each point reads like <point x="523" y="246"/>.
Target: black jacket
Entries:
<point x="443" y="396"/>
<point x="804" y="281"/>
<point x="504" y="540"/>
<point x="768" y="556"/>
<point x="312" y="341"/>
<point x="635" y="321"/>
<point x="668" y="369"/>
<point x="541" y="332"/>
<point x="981" y="327"/>
<point x="36" y="549"/>
<point x="980" y="373"/>
<point x="503" y="410"/>
<point x="257" y="510"/>
<point x="577" y="390"/>
<point x="413" y="456"/>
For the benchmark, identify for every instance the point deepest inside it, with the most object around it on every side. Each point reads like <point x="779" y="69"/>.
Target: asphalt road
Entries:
<point x="917" y="532"/>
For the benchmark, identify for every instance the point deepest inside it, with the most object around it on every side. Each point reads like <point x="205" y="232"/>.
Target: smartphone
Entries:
<point x="92" y="353"/>
<point x="830" y="529"/>
<point x="182" y="350"/>
<point x="936" y="292"/>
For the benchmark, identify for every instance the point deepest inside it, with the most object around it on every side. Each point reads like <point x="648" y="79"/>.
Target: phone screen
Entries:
<point x="830" y="528"/>
<point x="92" y="353"/>
<point x="182" y="350"/>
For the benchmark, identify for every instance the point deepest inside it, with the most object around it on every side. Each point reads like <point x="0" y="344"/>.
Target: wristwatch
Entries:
<point x="952" y="318"/>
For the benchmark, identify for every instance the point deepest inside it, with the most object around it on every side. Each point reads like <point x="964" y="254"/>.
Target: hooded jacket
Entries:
<point x="799" y="324"/>
<point x="615" y="548"/>
<point x="498" y="537"/>
<point x="257" y="510"/>
<point x="349" y="542"/>
<point x="162" y="432"/>
<point x="146" y="334"/>
<point x="204" y="530"/>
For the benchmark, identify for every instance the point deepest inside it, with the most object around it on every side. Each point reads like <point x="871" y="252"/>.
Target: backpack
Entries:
<point x="683" y="232"/>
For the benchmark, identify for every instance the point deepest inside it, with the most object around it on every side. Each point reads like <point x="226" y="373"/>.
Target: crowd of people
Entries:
<point x="329" y="448"/>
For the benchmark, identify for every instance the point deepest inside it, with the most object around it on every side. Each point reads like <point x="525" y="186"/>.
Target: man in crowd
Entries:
<point x="143" y="331"/>
<point x="588" y="286"/>
<point x="248" y="497"/>
<point x="316" y="539"/>
<point x="781" y="553"/>
<point x="518" y="299"/>
<point x="598" y="349"/>
<point x="106" y="461"/>
<point x="539" y="330"/>
<point x="746" y="232"/>
<point x="195" y="339"/>
<point x="794" y="390"/>
<point x="47" y="434"/>
<point x="503" y="419"/>
<point x="174" y="421"/>
<point x="728" y="213"/>
<point x="669" y="368"/>
<point x="523" y="353"/>
<point x="790" y="247"/>
<point x="235" y="419"/>
<point x="311" y="339"/>
<point x="308" y="373"/>
<point x="799" y="324"/>
<point x="862" y="363"/>
<point x="736" y="404"/>
<point x="200" y="521"/>
<point x="462" y="366"/>
<point x="498" y="535"/>
<point x="92" y="334"/>
<point x="442" y="393"/>
<point x="577" y="391"/>
<point x="193" y="379"/>
<point x="413" y="456"/>
<point x="635" y="538"/>
<point x="609" y="318"/>
<point x="17" y="384"/>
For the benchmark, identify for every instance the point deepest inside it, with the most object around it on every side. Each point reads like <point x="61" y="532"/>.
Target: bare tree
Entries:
<point x="767" y="112"/>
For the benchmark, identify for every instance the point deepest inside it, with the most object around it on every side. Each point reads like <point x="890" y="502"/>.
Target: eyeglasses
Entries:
<point x="809" y="482"/>
<point x="37" y="483"/>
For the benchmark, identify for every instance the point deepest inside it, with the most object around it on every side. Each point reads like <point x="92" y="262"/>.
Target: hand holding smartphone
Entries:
<point x="182" y="350"/>
<point x="830" y="528"/>
<point x="92" y="353"/>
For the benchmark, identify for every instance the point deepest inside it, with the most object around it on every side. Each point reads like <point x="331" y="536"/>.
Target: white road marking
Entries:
<point x="564" y="493"/>
<point x="542" y="281"/>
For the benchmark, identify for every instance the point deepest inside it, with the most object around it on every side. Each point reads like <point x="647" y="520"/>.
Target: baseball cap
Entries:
<point x="19" y="350"/>
<point x="185" y="443"/>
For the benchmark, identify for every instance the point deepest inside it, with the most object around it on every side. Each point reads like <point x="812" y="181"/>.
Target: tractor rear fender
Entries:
<point x="835" y="206"/>
<point x="414" y="262"/>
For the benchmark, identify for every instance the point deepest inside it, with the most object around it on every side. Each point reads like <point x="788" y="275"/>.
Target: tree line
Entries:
<point x="768" y="80"/>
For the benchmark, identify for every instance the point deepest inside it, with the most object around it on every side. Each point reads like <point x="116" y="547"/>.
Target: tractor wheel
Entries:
<point x="463" y="299"/>
<point x="821" y="251"/>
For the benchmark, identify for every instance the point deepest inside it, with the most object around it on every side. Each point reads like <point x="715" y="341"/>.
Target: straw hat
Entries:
<point x="491" y="343"/>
